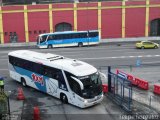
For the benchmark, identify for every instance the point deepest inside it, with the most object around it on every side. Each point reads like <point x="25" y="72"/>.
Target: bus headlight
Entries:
<point x="85" y="101"/>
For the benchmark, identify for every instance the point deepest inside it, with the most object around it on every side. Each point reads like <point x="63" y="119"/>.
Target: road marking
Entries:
<point x="70" y="52"/>
<point x="131" y="56"/>
<point x="3" y="69"/>
<point x="88" y="49"/>
<point x="101" y="58"/>
<point x="3" y="59"/>
<point x="151" y="62"/>
<point x="149" y="56"/>
<point x="3" y="56"/>
<point x="134" y="52"/>
<point x="157" y="55"/>
<point x="71" y="55"/>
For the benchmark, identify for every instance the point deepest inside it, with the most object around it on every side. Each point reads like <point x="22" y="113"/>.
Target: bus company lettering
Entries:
<point x="38" y="79"/>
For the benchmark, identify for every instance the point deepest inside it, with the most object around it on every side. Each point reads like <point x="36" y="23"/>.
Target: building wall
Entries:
<point x="62" y="13"/>
<point x="154" y="12"/>
<point x="38" y="22"/>
<point x="13" y="22"/>
<point x="87" y="19"/>
<point x="112" y="19"/>
<point x="135" y="22"/>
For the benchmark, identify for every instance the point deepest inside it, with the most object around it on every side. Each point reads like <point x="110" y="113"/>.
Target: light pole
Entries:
<point x="87" y="24"/>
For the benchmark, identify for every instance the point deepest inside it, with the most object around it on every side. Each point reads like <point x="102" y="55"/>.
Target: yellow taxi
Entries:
<point x="147" y="44"/>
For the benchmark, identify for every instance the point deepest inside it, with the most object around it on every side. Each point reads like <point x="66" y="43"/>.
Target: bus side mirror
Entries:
<point x="80" y="83"/>
<point x="103" y="77"/>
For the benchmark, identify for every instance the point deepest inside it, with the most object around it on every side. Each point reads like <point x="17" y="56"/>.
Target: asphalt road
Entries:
<point x="102" y="55"/>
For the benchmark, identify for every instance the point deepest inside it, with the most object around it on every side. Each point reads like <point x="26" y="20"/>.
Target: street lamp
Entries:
<point x="87" y="24"/>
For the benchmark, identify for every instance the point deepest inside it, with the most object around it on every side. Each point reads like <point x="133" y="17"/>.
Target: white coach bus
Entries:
<point x="71" y="80"/>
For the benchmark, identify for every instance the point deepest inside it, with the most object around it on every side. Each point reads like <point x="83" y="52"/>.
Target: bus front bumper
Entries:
<point x="92" y="102"/>
<point x="42" y="46"/>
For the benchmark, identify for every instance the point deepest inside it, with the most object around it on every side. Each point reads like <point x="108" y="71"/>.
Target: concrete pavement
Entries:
<point x="102" y="41"/>
<point x="52" y="108"/>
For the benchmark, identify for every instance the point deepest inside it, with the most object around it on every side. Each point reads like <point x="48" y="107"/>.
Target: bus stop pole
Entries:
<point x="109" y="78"/>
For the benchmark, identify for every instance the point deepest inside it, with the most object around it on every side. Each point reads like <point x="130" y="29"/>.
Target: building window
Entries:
<point x="35" y="32"/>
<point x="6" y="33"/>
<point x="44" y="31"/>
<point x="63" y="27"/>
<point x="40" y="31"/>
<point x="155" y="27"/>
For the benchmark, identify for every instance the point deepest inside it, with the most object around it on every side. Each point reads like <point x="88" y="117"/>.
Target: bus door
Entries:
<point x="43" y="39"/>
<point x="52" y="87"/>
<point x="76" y="87"/>
<point x="51" y="82"/>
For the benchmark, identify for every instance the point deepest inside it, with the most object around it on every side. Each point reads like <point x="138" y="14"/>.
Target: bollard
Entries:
<point x="156" y="89"/>
<point x="105" y="88"/>
<point x="36" y="113"/>
<point x="20" y="95"/>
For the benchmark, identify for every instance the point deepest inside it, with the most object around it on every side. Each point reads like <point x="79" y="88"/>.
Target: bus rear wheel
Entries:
<point x="80" y="44"/>
<point x="63" y="98"/>
<point x="23" y="82"/>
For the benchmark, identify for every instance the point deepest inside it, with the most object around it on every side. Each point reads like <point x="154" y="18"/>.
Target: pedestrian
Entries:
<point x="1" y="83"/>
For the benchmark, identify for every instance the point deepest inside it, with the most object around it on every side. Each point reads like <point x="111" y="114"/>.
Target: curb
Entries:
<point x="117" y="41"/>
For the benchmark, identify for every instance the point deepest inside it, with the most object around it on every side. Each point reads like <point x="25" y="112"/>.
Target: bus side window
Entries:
<point x="52" y="73"/>
<point x="46" y="71"/>
<point x="11" y="60"/>
<point x="37" y="68"/>
<point x="74" y="85"/>
<point x="27" y="65"/>
<point x="76" y="35"/>
<point x="57" y="37"/>
<point x="69" y="36"/>
<point x="93" y="34"/>
<point x="43" y="38"/>
<point x="59" y="76"/>
<point x="50" y="37"/>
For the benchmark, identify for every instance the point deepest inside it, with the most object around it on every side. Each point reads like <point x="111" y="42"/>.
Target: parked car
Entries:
<point x="147" y="44"/>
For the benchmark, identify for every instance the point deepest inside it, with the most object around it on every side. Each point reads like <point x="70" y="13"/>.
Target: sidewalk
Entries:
<point x="102" y="41"/>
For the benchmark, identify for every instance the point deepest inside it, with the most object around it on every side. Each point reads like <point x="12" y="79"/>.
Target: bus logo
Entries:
<point x="38" y="79"/>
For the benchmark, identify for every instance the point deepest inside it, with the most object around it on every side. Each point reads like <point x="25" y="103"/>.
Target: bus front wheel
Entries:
<point x="23" y="82"/>
<point x="63" y="98"/>
<point x="49" y="46"/>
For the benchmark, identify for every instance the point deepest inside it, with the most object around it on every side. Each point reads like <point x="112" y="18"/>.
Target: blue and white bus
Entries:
<point x="68" y="38"/>
<point x="70" y="80"/>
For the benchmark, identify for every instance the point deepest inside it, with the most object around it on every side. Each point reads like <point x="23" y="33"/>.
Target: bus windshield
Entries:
<point x="92" y="85"/>
<point x="42" y="39"/>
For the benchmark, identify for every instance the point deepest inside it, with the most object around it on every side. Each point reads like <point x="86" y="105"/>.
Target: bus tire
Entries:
<point x="63" y="98"/>
<point x="49" y="46"/>
<point x="23" y="82"/>
<point x="80" y="44"/>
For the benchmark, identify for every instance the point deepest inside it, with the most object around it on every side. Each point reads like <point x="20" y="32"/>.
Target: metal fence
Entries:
<point x="141" y="98"/>
<point x="150" y="101"/>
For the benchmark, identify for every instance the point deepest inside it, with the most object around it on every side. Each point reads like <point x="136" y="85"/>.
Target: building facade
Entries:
<point x="119" y="19"/>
